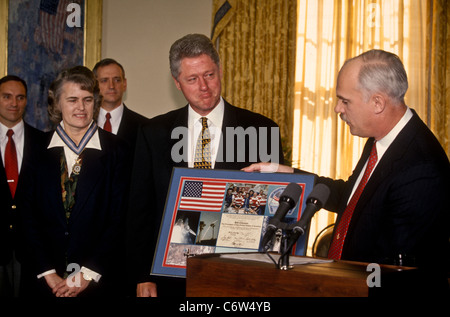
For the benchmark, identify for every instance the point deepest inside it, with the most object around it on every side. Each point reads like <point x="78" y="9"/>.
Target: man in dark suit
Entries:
<point x="27" y="142"/>
<point x="114" y="116"/>
<point x="75" y="215"/>
<point x="401" y="215"/>
<point x="169" y="140"/>
<point x="122" y="121"/>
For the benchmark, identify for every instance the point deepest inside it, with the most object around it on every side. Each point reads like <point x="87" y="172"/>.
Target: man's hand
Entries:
<point x="147" y="289"/>
<point x="268" y="168"/>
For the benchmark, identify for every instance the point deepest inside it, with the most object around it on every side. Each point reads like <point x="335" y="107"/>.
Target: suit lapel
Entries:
<point x="93" y="166"/>
<point x="123" y="122"/>
<point x="386" y="165"/>
<point x="181" y="120"/>
<point x="52" y="178"/>
<point x="27" y="158"/>
<point x="229" y="120"/>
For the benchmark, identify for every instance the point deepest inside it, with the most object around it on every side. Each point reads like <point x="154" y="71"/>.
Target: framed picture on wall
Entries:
<point x="222" y="211"/>
<point x="40" y="38"/>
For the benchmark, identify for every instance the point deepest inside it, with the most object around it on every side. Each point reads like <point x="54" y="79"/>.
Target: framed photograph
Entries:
<point x="222" y="211"/>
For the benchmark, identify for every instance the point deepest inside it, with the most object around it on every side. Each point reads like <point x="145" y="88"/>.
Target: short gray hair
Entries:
<point x="79" y="75"/>
<point x="382" y="71"/>
<point x="191" y="45"/>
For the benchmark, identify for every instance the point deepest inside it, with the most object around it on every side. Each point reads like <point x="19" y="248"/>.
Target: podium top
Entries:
<point x="250" y="275"/>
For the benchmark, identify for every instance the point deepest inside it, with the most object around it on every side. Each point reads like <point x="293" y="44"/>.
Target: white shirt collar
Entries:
<point x="116" y="117"/>
<point x="56" y="141"/>
<point x="384" y="143"/>
<point x="215" y="117"/>
<point x="71" y="156"/>
<point x="18" y="130"/>
<point x="19" y="140"/>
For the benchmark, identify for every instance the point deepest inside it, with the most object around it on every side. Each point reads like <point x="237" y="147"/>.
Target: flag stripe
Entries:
<point x="203" y="195"/>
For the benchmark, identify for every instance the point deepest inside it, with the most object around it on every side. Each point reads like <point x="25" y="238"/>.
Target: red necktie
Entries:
<point x="107" y="125"/>
<point x="11" y="166"/>
<point x="337" y="243"/>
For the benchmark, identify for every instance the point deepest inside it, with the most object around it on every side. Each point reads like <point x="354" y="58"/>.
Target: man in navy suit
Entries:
<point x="27" y="141"/>
<point x="169" y="141"/>
<point x="121" y="121"/>
<point x="402" y="214"/>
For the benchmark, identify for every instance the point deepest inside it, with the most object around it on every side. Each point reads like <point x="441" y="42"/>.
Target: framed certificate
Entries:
<point x="222" y="211"/>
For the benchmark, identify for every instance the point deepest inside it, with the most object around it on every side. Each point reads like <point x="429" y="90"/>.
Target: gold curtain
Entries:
<point x="438" y="70"/>
<point x="256" y="43"/>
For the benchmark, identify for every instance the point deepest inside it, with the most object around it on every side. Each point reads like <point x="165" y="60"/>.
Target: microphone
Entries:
<point x="316" y="200"/>
<point x="288" y="200"/>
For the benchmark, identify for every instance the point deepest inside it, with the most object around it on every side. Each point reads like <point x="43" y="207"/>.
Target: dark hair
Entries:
<point x="80" y="75"/>
<point x="14" y="78"/>
<point x="191" y="45"/>
<point x="106" y="62"/>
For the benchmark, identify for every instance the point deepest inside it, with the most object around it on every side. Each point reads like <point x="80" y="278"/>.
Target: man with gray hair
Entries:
<point x="393" y="209"/>
<point x="234" y="137"/>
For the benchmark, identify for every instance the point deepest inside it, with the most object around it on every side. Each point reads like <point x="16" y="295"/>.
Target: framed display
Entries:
<point x="222" y="211"/>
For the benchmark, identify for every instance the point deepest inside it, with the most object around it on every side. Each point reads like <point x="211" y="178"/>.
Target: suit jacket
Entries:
<point x="129" y="125"/>
<point x="403" y="208"/>
<point x="11" y="236"/>
<point x="94" y="234"/>
<point x="152" y="173"/>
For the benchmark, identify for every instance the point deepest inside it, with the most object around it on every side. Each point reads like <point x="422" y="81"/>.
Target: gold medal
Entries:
<point x="77" y="167"/>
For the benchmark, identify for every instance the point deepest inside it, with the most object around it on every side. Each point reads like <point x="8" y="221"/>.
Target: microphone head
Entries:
<point x="319" y="194"/>
<point x="293" y="192"/>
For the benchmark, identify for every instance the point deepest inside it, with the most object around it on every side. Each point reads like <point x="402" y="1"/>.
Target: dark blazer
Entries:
<point x="94" y="235"/>
<point x="129" y="125"/>
<point x="152" y="173"/>
<point x="10" y="228"/>
<point x="404" y="206"/>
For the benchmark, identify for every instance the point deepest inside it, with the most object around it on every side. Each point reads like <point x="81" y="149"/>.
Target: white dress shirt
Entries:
<point x="116" y="117"/>
<point x="383" y="144"/>
<point x="215" y="119"/>
<point x="18" y="138"/>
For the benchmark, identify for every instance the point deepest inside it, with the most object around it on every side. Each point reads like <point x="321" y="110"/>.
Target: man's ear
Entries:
<point x="177" y="83"/>
<point x="379" y="103"/>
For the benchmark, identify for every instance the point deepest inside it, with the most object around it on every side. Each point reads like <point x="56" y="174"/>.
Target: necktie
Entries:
<point x="337" y="243"/>
<point x="107" y="125"/>
<point x="11" y="166"/>
<point x="202" y="157"/>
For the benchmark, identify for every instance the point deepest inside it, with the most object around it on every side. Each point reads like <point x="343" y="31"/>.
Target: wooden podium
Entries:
<point x="213" y="275"/>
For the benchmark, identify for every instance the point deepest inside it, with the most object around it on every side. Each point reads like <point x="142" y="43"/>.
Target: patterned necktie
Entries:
<point x="107" y="125"/>
<point x="202" y="157"/>
<point x="337" y="243"/>
<point x="11" y="166"/>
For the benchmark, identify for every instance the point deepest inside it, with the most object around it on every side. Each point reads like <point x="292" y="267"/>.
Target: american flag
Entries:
<point x="203" y="195"/>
